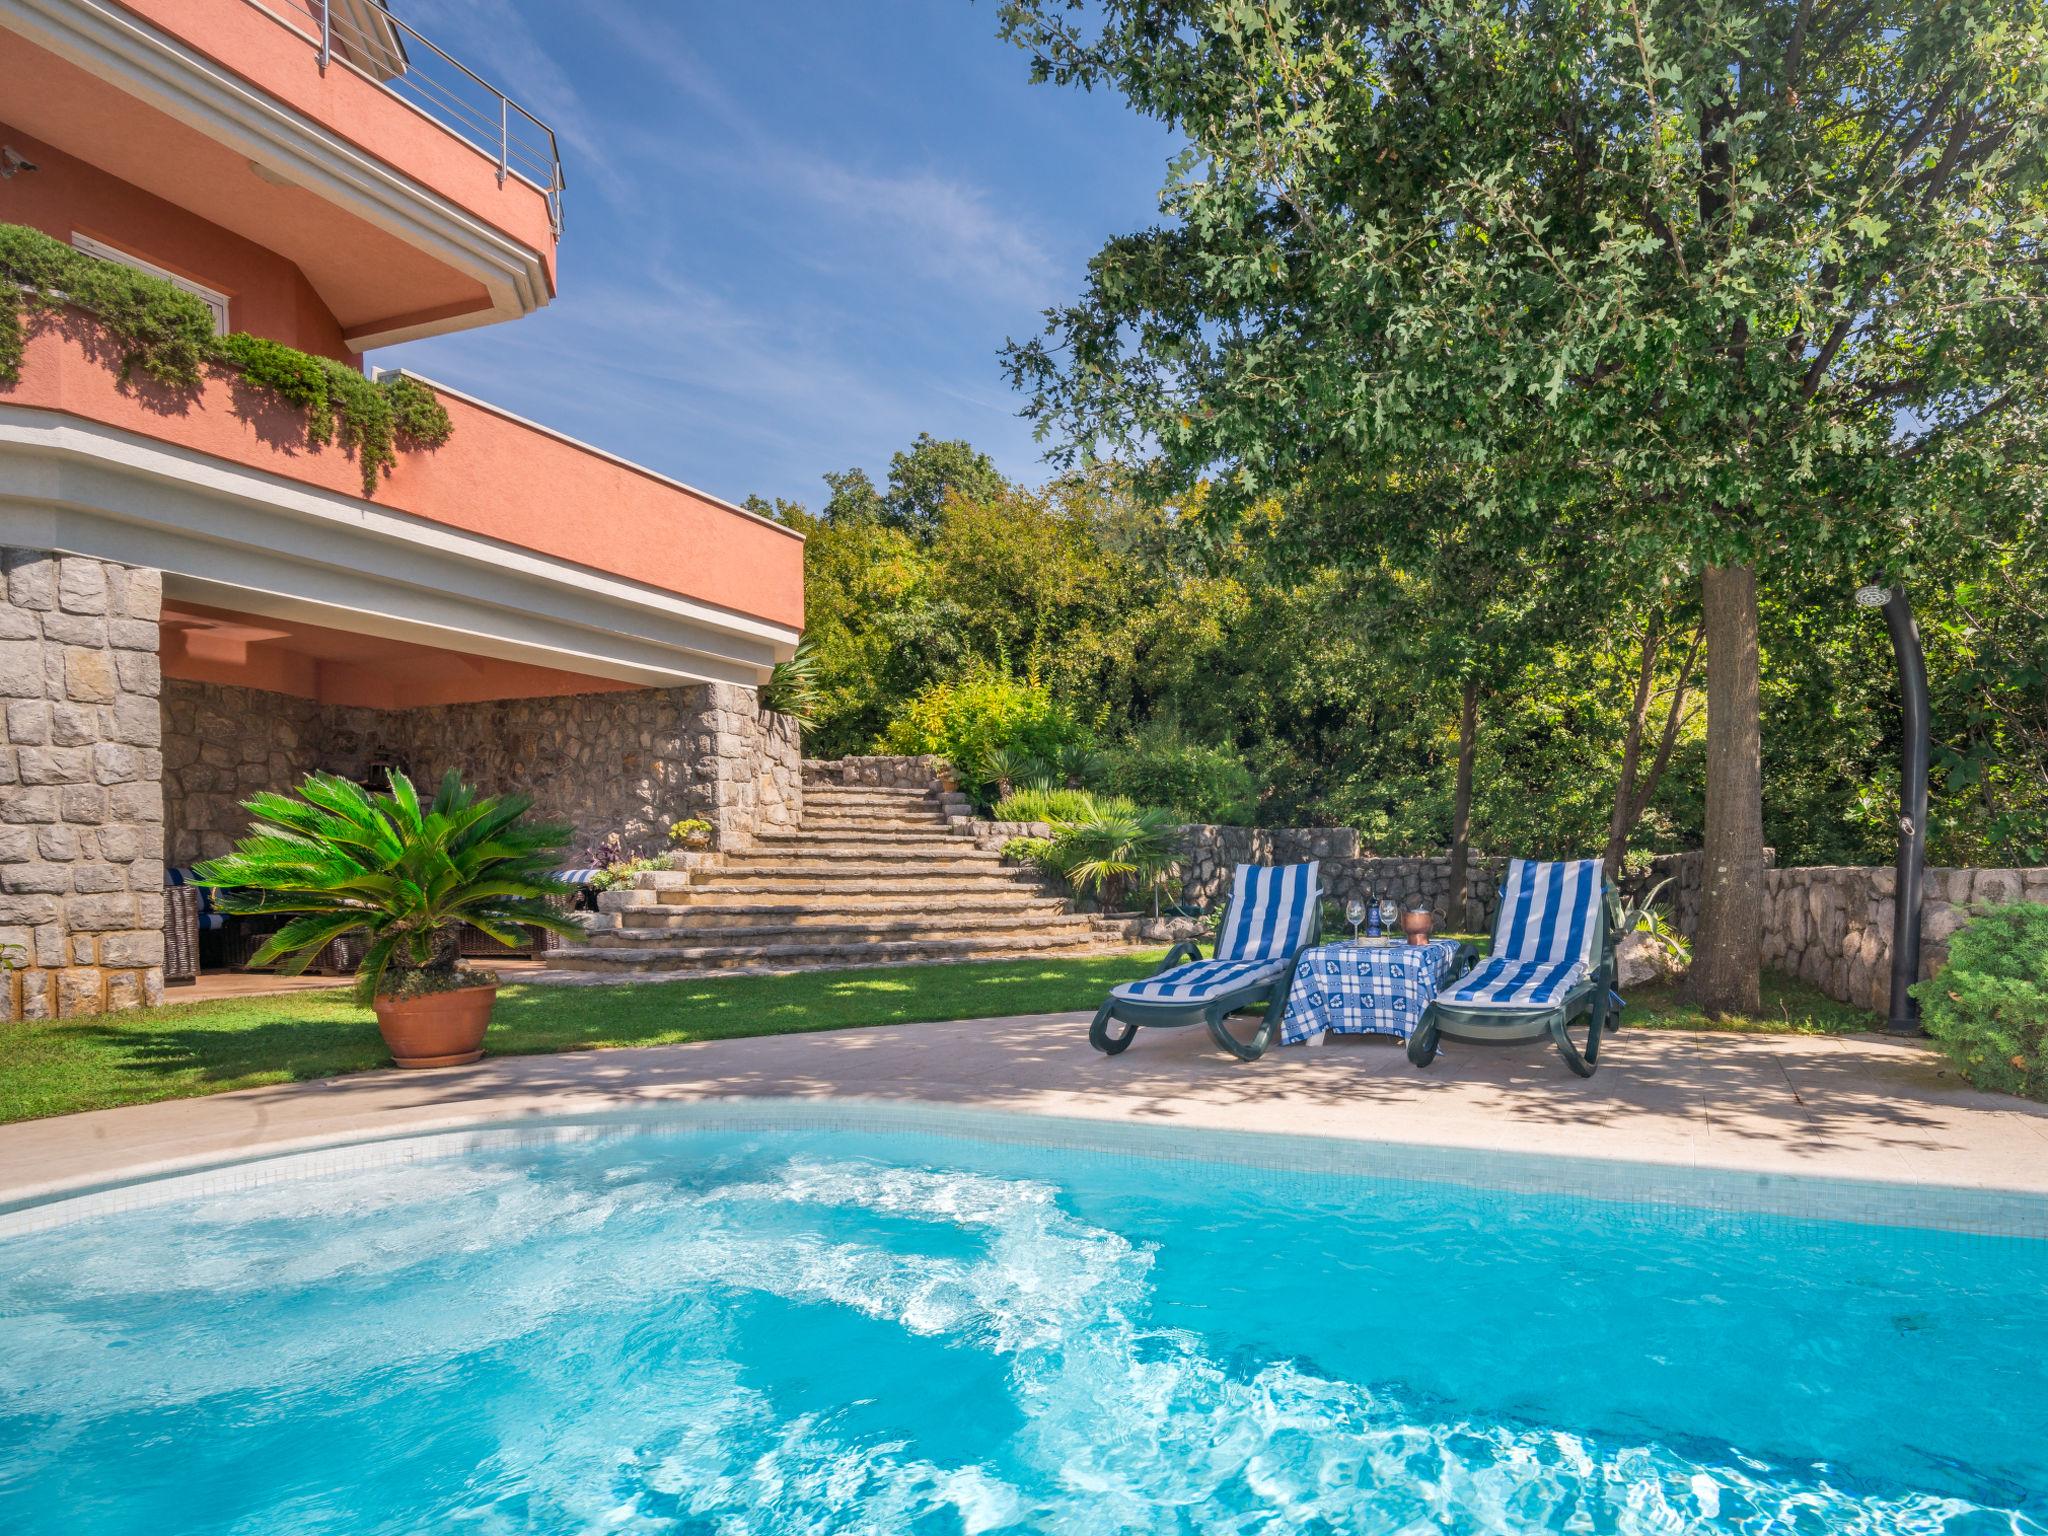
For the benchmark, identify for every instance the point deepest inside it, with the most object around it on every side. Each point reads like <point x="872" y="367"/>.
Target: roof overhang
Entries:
<point x="258" y="543"/>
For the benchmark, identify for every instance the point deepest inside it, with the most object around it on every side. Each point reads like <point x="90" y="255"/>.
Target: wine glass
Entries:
<point x="1354" y="914"/>
<point x="1390" y="914"/>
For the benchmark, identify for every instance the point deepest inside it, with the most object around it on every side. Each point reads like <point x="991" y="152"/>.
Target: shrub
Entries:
<point x="691" y="831"/>
<point x="1160" y="766"/>
<point x="1989" y="1008"/>
<point x="796" y="687"/>
<point x="972" y="721"/>
<point x="405" y="873"/>
<point x="1049" y="803"/>
<point x="1114" y="854"/>
<point x="1029" y="850"/>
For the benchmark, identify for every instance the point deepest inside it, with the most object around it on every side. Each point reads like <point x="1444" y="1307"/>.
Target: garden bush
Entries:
<point x="1057" y="804"/>
<point x="1989" y="1008"/>
<point x="1114" y="855"/>
<point x="982" y="720"/>
<point x="1160" y="766"/>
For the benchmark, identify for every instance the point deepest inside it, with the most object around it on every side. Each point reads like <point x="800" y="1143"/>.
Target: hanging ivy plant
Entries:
<point x="166" y="335"/>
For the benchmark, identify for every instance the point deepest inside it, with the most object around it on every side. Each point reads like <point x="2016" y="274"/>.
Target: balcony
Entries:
<point x="415" y="197"/>
<point x="509" y="541"/>
<point x="362" y="35"/>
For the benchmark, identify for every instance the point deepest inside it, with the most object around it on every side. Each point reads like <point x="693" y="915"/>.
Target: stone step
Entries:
<point x="868" y="794"/>
<point x="813" y="889"/>
<point x="1018" y="896"/>
<point x="1020" y="907"/>
<point x="949" y="850"/>
<point x="931" y="834"/>
<point x="809" y="956"/>
<point x="858" y="865"/>
<point x="674" y="926"/>
<point x="861" y="826"/>
<point x="921" y="817"/>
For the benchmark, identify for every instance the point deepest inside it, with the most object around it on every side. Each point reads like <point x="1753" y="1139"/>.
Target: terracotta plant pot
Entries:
<point x="442" y="1029"/>
<point x="1418" y="925"/>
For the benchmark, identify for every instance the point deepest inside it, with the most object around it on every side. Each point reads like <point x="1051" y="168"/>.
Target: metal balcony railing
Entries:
<point x="364" y="36"/>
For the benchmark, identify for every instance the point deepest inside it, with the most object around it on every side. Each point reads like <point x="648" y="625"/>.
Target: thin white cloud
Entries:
<point x="913" y="220"/>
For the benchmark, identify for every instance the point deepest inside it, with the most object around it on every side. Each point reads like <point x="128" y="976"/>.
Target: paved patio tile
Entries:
<point x="1851" y="1107"/>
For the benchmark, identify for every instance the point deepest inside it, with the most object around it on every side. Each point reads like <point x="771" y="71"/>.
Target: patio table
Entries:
<point x="1365" y="989"/>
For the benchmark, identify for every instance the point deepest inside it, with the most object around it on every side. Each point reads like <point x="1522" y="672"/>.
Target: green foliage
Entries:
<point x="1160" y="766"/>
<point x="163" y="332"/>
<point x="167" y="335"/>
<point x="370" y="418"/>
<point x="689" y="829"/>
<point x="404" y="873"/>
<point x="1054" y="804"/>
<point x="1321" y="643"/>
<point x="620" y="873"/>
<point x="1641" y="916"/>
<point x="1989" y="1008"/>
<point x="985" y="713"/>
<point x="792" y="687"/>
<point x="1663" y="287"/>
<point x="1115" y="853"/>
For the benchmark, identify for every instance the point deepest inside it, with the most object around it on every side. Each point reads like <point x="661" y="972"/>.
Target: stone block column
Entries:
<point x="81" y="791"/>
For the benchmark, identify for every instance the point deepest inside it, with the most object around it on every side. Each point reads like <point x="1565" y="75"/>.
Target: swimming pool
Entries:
<point x="829" y="1321"/>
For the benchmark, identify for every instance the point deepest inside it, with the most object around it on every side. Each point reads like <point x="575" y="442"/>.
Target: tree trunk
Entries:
<point x="1727" y="957"/>
<point x="1458" y="910"/>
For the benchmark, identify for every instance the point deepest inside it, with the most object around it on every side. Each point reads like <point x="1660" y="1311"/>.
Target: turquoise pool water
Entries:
<point x="822" y="1328"/>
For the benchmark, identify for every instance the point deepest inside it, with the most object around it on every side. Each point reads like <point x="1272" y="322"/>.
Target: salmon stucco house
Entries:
<point x="203" y="599"/>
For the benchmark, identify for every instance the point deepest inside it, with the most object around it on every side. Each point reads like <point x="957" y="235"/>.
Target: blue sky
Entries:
<point x="797" y="233"/>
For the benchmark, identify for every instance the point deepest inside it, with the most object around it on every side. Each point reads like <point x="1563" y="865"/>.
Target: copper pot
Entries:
<point x="442" y="1029"/>
<point x="1418" y="923"/>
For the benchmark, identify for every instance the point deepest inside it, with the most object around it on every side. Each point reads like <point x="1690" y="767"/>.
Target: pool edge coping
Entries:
<point x="1641" y="1181"/>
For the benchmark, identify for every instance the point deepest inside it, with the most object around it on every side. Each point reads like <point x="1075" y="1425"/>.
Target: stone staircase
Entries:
<point x="874" y="876"/>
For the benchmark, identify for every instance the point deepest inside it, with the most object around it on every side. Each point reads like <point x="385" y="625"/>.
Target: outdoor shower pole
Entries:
<point x="1912" y="866"/>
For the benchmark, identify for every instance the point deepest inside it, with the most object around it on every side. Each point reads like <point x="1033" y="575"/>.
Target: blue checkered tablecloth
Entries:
<point x="1364" y="989"/>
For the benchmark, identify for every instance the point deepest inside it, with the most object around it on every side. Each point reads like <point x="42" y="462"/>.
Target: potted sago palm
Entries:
<point x="407" y="876"/>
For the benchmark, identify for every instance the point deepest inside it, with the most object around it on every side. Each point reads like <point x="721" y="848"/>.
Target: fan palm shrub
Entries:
<point x="407" y="875"/>
<point x="796" y="687"/>
<point x="1003" y="771"/>
<point x="1112" y="854"/>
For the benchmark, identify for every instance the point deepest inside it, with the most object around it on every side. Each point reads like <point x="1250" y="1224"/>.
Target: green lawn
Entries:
<point x="188" y="1049"/>
<point x="185" y="1050"/>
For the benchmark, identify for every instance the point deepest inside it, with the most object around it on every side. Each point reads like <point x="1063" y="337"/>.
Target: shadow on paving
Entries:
<point x="1809" y="1095"/>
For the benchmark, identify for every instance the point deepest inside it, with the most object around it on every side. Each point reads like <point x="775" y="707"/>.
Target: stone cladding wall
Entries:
<point x="923" y="772"/>
<point x="629" y="762"/>
<point x="81" y="798"/>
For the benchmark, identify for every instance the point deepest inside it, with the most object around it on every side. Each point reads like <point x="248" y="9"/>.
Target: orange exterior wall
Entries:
<point x="277" y="58"/>
<point x="267" y="295"/>
<point x="495" y="476"/>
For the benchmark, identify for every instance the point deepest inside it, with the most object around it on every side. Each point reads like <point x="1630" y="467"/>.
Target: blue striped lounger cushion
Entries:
<point x="1272" y="912"/>
<point x="1200" y="980"/>
<point x="1542" y="940"/>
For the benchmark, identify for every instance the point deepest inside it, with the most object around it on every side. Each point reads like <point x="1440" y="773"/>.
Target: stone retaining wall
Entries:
<point x="1214" y="852"/>
<point x="928" y="772"/>
<point x="81" y="798"/>
<point x="1833" y="925"/>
